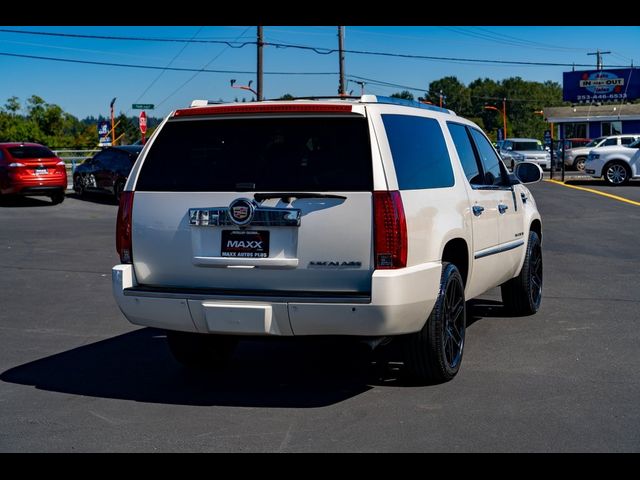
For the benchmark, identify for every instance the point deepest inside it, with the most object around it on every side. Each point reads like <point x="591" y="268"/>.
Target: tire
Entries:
<point x="579" y="164"/>
<point x="117" y="190"/>
<point x="522" y="295"/>
<point x="57" y="198"/>
<point x="434" y="354"/>
<point x="616" y="173"/>
<point x="78" y="185"/>
<point x="201" y="351"/>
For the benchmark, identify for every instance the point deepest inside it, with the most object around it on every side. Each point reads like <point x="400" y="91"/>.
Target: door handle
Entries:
<point x="523" y="197"/>
<point x="477" y="210"/>
<point x="502" y="208"/>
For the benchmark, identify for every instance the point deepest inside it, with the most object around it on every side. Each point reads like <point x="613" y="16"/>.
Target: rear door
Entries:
<point x="267" y="204"/>
<point x="484" y="201"/>
<point x="508" y="208"/>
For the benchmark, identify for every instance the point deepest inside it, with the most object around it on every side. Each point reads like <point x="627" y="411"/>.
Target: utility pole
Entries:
<point x="260" y="74"/>
<point x="342" y="86"/>
<point x="599" y="54"/>
<point x="504" y="116"/>
<point x="113" y="127"/>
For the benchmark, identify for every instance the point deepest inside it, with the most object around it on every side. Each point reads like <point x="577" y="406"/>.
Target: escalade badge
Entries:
<point x="241" y="211"/>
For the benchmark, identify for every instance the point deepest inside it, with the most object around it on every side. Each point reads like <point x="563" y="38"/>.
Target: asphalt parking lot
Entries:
<point x="76" y="376"/>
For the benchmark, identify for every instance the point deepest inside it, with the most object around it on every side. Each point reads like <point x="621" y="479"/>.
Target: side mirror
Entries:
<point x="528" y="172"/>
<point x="509" y="148"/>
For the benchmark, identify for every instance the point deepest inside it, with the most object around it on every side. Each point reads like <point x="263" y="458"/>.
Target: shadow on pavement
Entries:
<point x="97" y="197"/>
<point x="273" y="372"/>
<point x="19" y="201"/>
<point x="138" y="366"/>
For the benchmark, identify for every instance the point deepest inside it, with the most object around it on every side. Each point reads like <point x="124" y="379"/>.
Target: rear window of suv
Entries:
<point x="420" y="154"/>
<point x="31" y="152"/>
<point x="266" y="154"/>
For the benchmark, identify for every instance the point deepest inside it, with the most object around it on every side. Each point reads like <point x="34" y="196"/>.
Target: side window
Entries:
<point x="419" y="152"/>
<point x="465" y="152"/>
<point x="489" y="159"/>
<point x="609" y="141"/>
<point x="627" y="140"/>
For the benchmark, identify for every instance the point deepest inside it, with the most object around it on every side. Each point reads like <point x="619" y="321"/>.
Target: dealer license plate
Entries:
<point x="245" y="243"/>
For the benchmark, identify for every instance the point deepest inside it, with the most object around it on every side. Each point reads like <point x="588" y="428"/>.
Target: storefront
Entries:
<point x="592" y="120"/>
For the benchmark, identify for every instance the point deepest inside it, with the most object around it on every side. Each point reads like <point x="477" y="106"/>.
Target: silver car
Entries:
<point x="516" y="150"/>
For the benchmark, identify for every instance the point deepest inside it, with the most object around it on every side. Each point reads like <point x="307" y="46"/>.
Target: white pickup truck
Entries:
<point x="372" y="217"/>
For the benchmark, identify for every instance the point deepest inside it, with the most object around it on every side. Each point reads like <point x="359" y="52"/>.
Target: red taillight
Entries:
<point x="263" y="108"/>
<point x="123" y="227"/>
<point x="390" y="229"/>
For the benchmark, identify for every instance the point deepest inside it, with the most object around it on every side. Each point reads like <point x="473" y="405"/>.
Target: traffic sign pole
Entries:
<point x="142" y="122"/>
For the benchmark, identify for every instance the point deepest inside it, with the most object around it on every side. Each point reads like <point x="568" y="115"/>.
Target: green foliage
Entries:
<point x="407" y="95"/>
<point x="286" y="96"/>
<point x="523" y="98"/>
<point x="48" y="124"/>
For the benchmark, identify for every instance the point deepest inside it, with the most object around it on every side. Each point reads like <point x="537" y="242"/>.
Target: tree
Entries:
<point x="405" y="94"/>
<point x="13" y="105"/>
<point x="286" y="96"/>
<point x="455" y="95"/>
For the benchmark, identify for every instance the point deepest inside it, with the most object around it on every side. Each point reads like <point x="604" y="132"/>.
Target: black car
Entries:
<point x="106" y="171"/>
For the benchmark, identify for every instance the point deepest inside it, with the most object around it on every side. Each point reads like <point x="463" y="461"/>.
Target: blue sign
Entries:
<point x="500" y="135"/>
<point x="103" y="129"/>
<point x="547" y="137"/>
<point x="104" y="140"/>
<point x="601" y="85"/>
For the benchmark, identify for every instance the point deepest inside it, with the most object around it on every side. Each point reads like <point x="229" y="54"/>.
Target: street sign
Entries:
<point x="142" y="106"/>
<point x="142" y="121"/>
<point x="547" y="137"/>
<point x="500" y="135"/>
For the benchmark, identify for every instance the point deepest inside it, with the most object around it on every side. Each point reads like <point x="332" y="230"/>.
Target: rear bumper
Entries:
<point x="37" y="187"/>
<point x="400" y="302"/>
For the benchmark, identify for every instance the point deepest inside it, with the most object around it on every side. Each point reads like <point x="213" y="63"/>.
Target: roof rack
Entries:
<point x="362" y="99"/>
<point x="403" y="102"/>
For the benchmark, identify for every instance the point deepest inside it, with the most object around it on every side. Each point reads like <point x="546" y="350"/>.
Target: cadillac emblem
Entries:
<point x="241" y="211"/>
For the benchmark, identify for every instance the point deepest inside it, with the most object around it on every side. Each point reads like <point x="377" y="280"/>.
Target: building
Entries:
<point x="592" y="120"/>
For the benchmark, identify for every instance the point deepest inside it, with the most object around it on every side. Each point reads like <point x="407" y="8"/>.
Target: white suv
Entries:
<point x="617" y="164"/>
<point x="375" y="218"/>
<point x="576" y="157"/>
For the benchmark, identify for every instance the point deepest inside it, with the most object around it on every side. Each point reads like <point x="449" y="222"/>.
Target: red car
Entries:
<point x="31" y="169"/>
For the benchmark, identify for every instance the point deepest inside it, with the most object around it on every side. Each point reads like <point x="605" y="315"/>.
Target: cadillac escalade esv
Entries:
<point x="373" y="217"/>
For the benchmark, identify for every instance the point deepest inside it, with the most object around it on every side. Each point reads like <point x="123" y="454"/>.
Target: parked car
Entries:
<point x="576" y="157"/>
<point x="515" y="150"/>
<point x="374" y="218"/>
<point x="107" y="171"/>
<point x="31" y="169"/>
<point x="616" y="164"/>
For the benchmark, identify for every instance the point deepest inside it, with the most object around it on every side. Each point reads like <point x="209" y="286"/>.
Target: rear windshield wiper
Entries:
<point x="287" y="196"/>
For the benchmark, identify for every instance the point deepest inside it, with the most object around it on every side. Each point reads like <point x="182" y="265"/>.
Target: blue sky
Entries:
<point x="83" y="89"/>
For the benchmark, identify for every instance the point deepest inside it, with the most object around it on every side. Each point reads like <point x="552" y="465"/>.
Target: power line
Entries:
<point x="168" y="65"/>
<point x="198" y="73"/>
<point x="231" y="44"/>
<point x="155" y="67"/>
<point x="317" y="50"/>
<point x="328" y="51"/>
